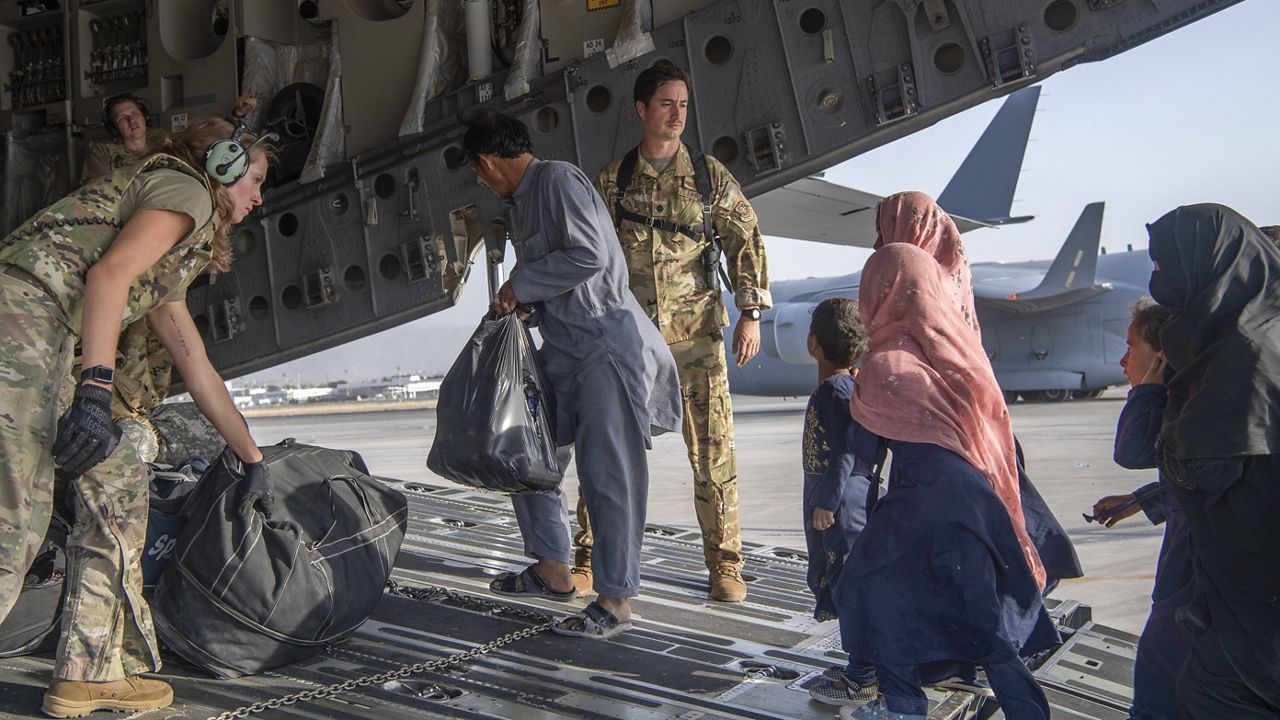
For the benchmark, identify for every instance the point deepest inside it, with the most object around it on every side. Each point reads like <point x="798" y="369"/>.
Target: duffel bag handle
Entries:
<point x="361" y="495"/>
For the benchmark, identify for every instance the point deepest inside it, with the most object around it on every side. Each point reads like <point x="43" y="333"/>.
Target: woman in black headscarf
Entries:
<point x="1220" y="449"/>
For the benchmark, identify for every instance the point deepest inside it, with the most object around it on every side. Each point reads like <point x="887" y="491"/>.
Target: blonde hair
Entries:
<point x="189" y="147"/>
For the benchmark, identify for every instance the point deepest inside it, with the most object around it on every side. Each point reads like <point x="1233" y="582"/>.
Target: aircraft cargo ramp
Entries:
<point x="687" y="658"/>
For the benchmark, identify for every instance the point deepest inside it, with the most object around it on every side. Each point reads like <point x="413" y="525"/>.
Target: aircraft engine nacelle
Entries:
<point x="791" y="331"/>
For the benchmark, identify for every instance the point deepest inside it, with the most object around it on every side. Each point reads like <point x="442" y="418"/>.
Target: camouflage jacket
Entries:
<point x="144" y="368"/>
<point x="144" y="372"/>
<point x="666" y="273"/>
<point x="64" y="240"/>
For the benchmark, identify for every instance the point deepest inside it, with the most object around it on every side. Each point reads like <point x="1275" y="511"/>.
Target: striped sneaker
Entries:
<point x="841" y="691"/>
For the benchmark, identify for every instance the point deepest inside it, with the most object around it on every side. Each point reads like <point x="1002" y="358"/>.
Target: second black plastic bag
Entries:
<point x="495" y="417"/>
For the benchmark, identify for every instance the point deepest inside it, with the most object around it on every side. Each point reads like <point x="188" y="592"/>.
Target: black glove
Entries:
<point x="86" y="435"/>
<point x="256" y="488"/>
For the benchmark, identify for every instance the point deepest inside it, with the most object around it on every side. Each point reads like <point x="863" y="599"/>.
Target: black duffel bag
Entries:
<point x="496" y="413"/>
<point x="31" y="626"/>
<point x="247" y="594"/>
<point x="169" y="492"/>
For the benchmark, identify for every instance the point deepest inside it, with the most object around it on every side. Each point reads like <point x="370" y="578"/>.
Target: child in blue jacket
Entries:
<point x="835" y="482"/>
<point x="1164" y="645"/>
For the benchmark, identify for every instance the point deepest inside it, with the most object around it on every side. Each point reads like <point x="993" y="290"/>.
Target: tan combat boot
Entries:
<point x="727" y="584"/>
<point x="72" y="698"/>
<point x="581" y="571"/>
<point x="582" y="580"/>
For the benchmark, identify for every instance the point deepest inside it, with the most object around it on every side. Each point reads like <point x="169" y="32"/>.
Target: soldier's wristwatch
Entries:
<point x="752" y="313"/>
<point x="98" y="373"/>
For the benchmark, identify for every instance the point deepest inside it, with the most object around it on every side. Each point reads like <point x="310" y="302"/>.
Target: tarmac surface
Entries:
<point x="1068" y="447"/>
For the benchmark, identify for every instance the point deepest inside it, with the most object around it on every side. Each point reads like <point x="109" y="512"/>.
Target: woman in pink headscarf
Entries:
<point x="944" y="575"/>
<point x="915" y="219"/>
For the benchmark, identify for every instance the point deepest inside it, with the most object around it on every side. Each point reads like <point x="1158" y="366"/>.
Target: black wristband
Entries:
<point x="98" y="373"/>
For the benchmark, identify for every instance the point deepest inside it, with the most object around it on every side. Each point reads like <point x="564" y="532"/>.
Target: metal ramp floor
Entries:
<point x="687" y="657"/>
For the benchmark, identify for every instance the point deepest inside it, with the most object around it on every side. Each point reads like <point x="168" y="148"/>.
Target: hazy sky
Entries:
<point x="1190" y="117"/>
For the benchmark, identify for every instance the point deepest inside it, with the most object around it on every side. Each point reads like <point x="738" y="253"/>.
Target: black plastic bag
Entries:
<point x="495" y="417"/>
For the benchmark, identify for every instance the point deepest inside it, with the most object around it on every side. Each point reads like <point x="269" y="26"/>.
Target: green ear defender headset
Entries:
<point x="227" y="160"/>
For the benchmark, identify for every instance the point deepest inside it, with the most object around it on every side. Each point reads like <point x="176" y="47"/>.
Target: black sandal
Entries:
<point x="527" y="583"/>
<point x="593" y="622"/>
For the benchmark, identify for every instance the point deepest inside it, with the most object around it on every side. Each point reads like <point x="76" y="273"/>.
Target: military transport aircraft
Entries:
<point x="1054" y="329"/>
<point x="1051" y="329"/>
<point x="380" y="222"/>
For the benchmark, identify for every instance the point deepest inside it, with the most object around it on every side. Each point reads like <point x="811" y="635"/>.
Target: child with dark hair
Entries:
<point x="1164" y="645"/>
<point x="835" y="481"/>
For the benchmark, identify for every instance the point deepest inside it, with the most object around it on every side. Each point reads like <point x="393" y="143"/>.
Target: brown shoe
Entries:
<point x="582" y="579"/>
<point x="727" y="584"/>
<point x="71" y="698"/>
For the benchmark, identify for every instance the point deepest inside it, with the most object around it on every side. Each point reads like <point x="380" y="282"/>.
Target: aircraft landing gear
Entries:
<point x="1087" y="394"/>
<point x="1010" y="397"/>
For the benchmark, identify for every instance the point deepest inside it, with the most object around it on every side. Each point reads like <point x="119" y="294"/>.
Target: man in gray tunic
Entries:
<point x="615" y="381"/>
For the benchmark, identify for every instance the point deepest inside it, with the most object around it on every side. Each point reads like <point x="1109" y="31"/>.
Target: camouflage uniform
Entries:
<point x="143" y="373"/>
<point x="143" y="365"/>
<point x="109" y="156"/>
<point x="669" y="279"/>
<point x="107" y="628"/>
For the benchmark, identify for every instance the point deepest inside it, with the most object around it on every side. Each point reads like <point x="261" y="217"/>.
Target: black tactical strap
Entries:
<point x="702" y="180"/>
<point x="689" y="231"/>
<point x="623" y="181"/>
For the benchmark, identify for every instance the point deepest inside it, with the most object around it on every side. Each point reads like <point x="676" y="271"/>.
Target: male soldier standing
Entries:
<point x="655" y="194"/>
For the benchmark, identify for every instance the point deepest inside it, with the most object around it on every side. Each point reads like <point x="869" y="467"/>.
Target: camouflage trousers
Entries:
<point x="708" y="435"/>
<point x="107" y="629"/>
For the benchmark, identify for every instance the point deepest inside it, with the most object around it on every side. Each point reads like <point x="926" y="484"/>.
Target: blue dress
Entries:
<point x="938" y="574"/>
<point x="1164" y="644"/>
<point x="834" y="480"/>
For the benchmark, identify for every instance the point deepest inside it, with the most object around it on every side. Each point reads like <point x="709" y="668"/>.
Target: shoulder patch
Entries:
<point x="743" y="211"/>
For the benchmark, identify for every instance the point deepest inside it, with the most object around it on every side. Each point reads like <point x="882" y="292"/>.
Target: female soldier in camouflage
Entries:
<point x="112" y="252"/>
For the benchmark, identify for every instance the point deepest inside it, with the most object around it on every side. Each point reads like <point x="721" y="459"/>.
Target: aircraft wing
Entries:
<point x="821" y="211"/>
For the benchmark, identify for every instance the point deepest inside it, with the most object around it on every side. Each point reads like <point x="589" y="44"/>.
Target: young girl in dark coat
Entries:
<point x="835" y="482"/>
<point x="1164" y="645"/>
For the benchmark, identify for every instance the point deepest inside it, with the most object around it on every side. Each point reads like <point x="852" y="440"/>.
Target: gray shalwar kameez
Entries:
<point x="615" y="381"/>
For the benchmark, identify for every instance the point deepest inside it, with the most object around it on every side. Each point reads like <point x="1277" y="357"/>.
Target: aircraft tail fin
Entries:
<point x="982" y="189"/>
<point x="1076" y="264"/>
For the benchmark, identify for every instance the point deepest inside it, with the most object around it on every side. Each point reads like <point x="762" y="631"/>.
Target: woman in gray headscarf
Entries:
<point x="1219" y="448"/>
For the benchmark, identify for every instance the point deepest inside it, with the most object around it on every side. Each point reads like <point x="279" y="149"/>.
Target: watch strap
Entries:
<point x="98" y="373"/>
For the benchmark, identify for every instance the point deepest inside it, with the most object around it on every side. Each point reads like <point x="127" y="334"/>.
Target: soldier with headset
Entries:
<point x="120" y="249"/>
<point x="128" y="120"/>
<point x="144" y="369"/>
<point x="678" y="212"/>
